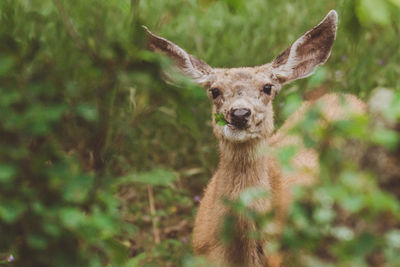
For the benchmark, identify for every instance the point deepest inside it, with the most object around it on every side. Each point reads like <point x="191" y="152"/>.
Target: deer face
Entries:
<point x="244" y="95"/>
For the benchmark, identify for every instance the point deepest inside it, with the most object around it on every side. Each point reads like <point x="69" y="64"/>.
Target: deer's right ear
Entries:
<point x="186" y="63"/>
<point x="306" y="53"/>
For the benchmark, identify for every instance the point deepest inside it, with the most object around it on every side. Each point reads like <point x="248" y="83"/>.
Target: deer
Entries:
<point x="244" y="96"/>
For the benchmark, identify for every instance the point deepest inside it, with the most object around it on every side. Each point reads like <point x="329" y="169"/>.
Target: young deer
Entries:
<point x="244" y="96"/>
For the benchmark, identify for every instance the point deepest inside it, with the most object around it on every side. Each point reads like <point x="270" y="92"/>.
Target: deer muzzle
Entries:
<point x="240" y="117"/>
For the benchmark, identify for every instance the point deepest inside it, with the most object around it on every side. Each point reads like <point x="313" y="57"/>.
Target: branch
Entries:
<point x="154" y="219"/>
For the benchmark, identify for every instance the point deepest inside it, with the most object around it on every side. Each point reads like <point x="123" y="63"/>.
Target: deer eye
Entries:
<point x="267" y="89"/>
<point x="215" y="92"/>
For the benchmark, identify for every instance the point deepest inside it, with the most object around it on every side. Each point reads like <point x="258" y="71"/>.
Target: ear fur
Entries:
<point x="309" y="51"/>
<point x="186" y="63"/>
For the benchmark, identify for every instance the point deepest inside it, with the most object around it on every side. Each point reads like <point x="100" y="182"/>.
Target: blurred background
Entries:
<point x="102" y="163"/>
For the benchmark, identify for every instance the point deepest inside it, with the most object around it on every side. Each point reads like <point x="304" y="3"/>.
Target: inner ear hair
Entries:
<point x="185" y="62"/>
<point x="309" y="51"/>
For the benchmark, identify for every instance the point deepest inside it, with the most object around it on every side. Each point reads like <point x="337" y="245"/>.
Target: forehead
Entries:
<point x="241" y="78"/>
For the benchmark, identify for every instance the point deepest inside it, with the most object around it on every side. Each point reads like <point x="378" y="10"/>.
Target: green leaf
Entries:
<point x="36" y="241"/>
<point x="88" y="112"/>
<point x="72" y="217"/>
<point x="324" y="215"/>
<point x="136" y="261"/>
<point x="118" y="253"/>
<point x="385" y="137"/>
<point x="104" y="225"/>
<point x="220" y="119"/>
<point x="352" y="180"/>
<point x="11" y="210"/>
<point x="7" y="173"/>
<point x="249" y="195"/>
<point x="343" y="233"/>
<point x="77" y="188"/>
<point x="351" y="203"/>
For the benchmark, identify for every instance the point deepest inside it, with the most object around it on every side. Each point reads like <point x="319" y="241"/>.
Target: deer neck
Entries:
<point x="242" y="165"/>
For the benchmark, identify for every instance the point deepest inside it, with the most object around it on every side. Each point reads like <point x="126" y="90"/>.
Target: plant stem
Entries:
<point x="154" y="219"/>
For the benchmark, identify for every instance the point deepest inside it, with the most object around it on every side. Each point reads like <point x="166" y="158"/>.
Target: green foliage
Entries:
<point x="376" y="11"/>
<point x="90" y="135"/>
<point x="64" y="79"/>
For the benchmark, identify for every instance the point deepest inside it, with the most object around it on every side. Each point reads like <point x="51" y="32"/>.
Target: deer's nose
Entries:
<point x="240" y="116"/>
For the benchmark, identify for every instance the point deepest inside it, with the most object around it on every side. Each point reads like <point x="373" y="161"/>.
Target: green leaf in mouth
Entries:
<point x="220" y="119"/>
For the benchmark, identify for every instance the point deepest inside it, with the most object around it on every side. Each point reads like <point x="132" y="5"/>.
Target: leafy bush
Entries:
<point x="64" y="85"/>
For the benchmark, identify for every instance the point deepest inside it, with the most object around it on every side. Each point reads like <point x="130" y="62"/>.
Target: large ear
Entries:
<point x="306" y="53"/>
<point x="186" y="63"/>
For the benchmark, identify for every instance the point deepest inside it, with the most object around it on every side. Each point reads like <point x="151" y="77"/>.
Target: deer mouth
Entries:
<point x="238" y="126"/>
<point x="240" y="130"/>
<point x="242" y="125"/>
<point x="235" y="134"/>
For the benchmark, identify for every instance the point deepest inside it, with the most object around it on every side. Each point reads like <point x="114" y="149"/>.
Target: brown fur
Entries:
<point x="247" y="155"/>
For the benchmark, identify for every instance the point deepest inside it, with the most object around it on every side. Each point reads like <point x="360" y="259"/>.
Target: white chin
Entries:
<point x="238" y="135"/>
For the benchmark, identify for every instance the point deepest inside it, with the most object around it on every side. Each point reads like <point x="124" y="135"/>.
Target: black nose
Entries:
<point x="240" y="116"/>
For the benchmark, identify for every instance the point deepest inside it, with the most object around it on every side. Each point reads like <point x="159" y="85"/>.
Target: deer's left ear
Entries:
<point x="306" y="53"/>
<point x="185" y="62"/>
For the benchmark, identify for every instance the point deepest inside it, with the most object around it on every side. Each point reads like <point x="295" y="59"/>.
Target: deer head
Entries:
<point x="244" y="95"/>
